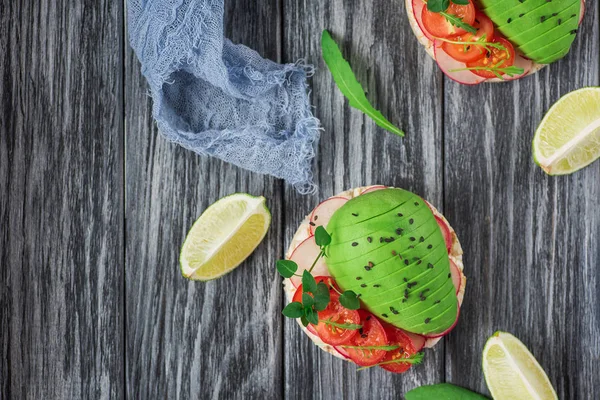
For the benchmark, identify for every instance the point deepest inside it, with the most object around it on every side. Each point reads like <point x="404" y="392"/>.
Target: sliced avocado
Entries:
<point x="395" y="257"/>
<point x="533" y="25"/>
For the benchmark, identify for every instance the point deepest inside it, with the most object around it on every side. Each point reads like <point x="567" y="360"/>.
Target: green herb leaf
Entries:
<point x="322" y="238"/>
<point x="438" y="5"/>
<point x="442" y="391"/>
<point x="415" y="359"/>
<point x="293" y="310"/>
<point x="304" y="320"/>
<point x="461" y="2"/>
<point x="286" y="268"/>
<point x="349" y="300"/>
<point x="321" y="296"/>
<point x="311" y="316"/>
<point x="348" y="84"/>
<point x="308" y="282"/>
<point x="386" y="348"/>
<point x="348" y="327"/>
<point x="458" y="22"/>
<point x="307" y="300"/>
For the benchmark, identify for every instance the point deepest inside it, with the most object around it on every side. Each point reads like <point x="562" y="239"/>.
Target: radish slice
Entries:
<point x="374" y="189"/>
<point x="520" y="62"/>
<point x="582" y="11"/>
<point x="447" y="331"/>
<point x="418" y="341"/>
<point x="342" y="351"/>
<point x="312" y="329"/>
<point x="305" y="255"/>
<point x="445" y="232"/>
<point x="456" y="278"/>
<point x="447" y="64"/>
<point x="324" y="211"/>
<point x="418" y="6"/>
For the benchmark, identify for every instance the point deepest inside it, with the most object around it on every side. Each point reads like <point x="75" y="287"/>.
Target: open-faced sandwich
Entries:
<point x="374" y="275"/>
<point x="495" y="40"/>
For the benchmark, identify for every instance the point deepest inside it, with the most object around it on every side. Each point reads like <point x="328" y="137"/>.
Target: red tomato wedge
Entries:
<point x="438" y="26"/>
<point x="495" y="56"/>
<point x="371" y="334"/>
<point x="471" y="52"/>
<point x="336" y="313"/>
<point x="397" y="337"/>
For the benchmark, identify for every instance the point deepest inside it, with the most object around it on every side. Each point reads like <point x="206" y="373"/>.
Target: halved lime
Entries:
<point x="512" y="372"/>
<point x="224" y="236"/>
<point x="568" y="137"/>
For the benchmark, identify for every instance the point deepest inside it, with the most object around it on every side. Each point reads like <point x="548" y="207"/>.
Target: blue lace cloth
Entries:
<point x="221" y="99"/>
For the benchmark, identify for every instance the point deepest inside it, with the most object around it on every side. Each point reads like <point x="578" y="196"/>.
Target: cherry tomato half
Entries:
<point x="438" y="26"/>
<point x="493" y="58"/>
<point x="371" y="334"/>
<point x="334" y="312"/>
<point x="398" y="337"/>
<point x="468" y="53"/>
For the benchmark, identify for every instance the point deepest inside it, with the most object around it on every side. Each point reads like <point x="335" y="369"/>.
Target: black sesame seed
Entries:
<point x="405" y="280"/>
<point x="430" y="247"/>
<point x="399" y="231"/>
<point x="509" y="20"/>
<point x="411" y="247"/>
<point x="316" y="217"/>
<point x="521" y="15"/>
<point x="371" y="264"/>
<point x="411" y="221"/>
<point x="437" y="302"/>
<point x="363" y="285"/>
<point x="400" y="215"/>
<point x="450" y="275"/>
<point x="542" y="18"/>
<point x="427" y="320"/>
<point x="368" y="318"/>
<point x="355" y="214"/>
<point x="358" y="278"/>
<point x="412" y="239"/>
<point x="406" y="262"/>
<point x="430" y="265"/>
<point x="369" y="239"/>
<point x="421" y="239"/>
<point x="404" y="300"/>
<point x="311" y="223"/>
<point x="416" y="203"/>
<point x="419" y="262"/>
<point x="377" y="285"/>
<point x="394" y="253"/>
<point x="384" y="315"/>
<point x="367" y="268"/>
<point x="354" y="244"/>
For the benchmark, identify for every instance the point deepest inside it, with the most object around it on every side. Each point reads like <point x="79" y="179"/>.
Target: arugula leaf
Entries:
<point x="308" y="282"/>
<point x="322" y="238"/>
<point x="458" y="22"/>
<point x="286" y="268"/>
<point x="321" y="297"/>
<point x="349" y="86"/>
<point x="293" y="310"/>
<point x="349" y="300"/>
<point x="442" y="391"/>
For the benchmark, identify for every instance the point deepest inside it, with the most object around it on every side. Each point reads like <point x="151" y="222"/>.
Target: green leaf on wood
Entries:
<point x="286" y="268"/>
<point x="348" y="84"/>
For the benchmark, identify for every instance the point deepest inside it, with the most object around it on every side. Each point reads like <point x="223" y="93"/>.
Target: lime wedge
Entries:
<point x="568" y="138"/>
<point x="225" y="235"/>
<point x="512" y="372"/>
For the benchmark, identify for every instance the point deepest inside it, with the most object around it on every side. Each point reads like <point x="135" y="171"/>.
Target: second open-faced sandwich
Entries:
<point x="374" y="275"/>
<point x="495" y="40"/>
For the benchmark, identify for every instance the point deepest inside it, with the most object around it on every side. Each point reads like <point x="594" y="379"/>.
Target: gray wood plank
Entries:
<point x="220" y="339"/>
<point x="531" y="241"/>
<point x="406" y="86"/>
<point x="61" y="200"/>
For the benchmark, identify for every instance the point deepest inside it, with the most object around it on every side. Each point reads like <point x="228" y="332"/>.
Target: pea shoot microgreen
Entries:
<point x="315" y="296"/>
<point x="441" y="6"/>
<point x="415" y="359"/>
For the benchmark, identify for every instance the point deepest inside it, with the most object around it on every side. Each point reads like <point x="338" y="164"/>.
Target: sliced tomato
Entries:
<point x="371" y="334"/>
<point x="493" y="58"/>
<point x="336" y="313"/>
<point x="438" y="26"/>
<point x="397" y="337"/>
<point x="470" y="52"/>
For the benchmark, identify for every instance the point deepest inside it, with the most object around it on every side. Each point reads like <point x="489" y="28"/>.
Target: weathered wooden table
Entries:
<point x="94" y="205"/>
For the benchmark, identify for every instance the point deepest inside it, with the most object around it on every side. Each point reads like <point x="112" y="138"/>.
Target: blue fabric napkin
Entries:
<point x="221" y="99"/>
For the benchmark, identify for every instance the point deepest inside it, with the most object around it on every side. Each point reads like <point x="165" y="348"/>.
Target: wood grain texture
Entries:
<point x="221" y="339"/>
<point x="61" y="200"/>
<point x="531" y="241"/>
<point x="405" y="85"/>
